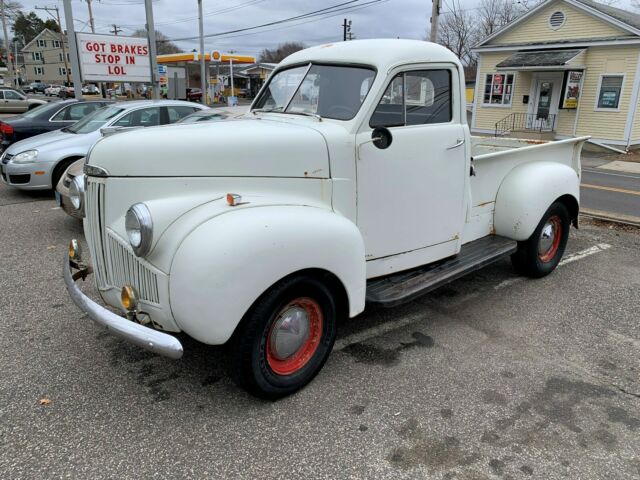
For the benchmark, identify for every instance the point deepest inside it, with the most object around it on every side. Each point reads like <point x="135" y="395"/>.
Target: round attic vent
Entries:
<point x="556" y="20"/>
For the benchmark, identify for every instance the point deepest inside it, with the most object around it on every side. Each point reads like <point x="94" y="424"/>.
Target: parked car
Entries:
<point x="45" y="118"/>
<point x="35" y="87"/>
<point x="66" y="92"/>
<point x="37" y="163"/>
<point x="90" y="89"/>
<point x="52" y="90"/>
<point x="265" y="231"/>
<point x="194" y="94"/>
<point x="15" y="101"/>
<point x="215" y="114"/>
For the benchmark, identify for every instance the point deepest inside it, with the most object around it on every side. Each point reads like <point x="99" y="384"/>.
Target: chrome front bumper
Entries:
<point x="144" y="337"/>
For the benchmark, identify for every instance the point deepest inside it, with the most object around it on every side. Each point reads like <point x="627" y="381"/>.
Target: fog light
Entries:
<point x="75" y="252"/>
<point x="129" y="298"/>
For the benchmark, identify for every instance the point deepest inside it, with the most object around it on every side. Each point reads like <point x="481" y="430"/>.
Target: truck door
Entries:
<point x="411" y="194"/>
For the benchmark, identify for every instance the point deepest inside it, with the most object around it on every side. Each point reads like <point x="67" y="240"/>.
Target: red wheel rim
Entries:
<point x="549" y="241"/>
<point x="294" y="336"/>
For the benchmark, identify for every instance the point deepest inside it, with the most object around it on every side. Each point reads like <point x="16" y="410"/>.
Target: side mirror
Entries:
<point x="381" y="137"/>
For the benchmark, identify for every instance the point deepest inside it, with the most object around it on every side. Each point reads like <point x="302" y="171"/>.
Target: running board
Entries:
<point x="407" y="285"/>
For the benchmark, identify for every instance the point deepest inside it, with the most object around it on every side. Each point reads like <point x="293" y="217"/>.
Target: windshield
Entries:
<point x="95" y="120"/>
<point x="331" y="91"/>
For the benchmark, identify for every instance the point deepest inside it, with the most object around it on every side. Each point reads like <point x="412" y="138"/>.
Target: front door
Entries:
<point x="542" y="115"/>
<point x="410" y="195"/>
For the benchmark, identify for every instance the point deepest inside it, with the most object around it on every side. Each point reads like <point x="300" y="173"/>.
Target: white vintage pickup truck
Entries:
<point x="352" y="179"/>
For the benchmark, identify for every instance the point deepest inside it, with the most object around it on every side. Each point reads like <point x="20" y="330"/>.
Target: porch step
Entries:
<point x="405" y="286"/>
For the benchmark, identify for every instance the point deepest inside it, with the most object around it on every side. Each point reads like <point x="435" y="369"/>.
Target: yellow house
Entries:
<point x="566" y="68"/>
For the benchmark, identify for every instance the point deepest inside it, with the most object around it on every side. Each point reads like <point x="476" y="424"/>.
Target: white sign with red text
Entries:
<point x="110" y="58"/>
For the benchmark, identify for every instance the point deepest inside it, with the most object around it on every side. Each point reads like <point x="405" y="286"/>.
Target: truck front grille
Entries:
<point x="126" y="269"/>
<point x="114" y="263"/>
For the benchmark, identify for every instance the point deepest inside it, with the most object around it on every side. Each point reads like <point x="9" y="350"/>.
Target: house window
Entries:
<point x="56" y="43"/>
<point x="60" y="57"/>
<point x="498" y="89"/>
<point x="609" y="92"/>
<point x="42" y="43"/>
<point x="38" y="70"/>
<point x="36" y="55"/>
<point x="63" y="71"/>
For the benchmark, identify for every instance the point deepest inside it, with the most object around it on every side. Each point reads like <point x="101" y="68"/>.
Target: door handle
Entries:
<point x="460" y="142"/>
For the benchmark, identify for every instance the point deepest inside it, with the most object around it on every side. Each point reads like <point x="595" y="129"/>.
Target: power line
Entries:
<point x="115" y="30"/>
<point x="317" y="13"/>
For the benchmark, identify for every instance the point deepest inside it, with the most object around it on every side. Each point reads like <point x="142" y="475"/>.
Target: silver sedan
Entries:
<point x="37" y="163"/>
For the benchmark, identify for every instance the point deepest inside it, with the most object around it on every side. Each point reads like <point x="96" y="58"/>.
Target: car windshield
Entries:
<point x="330" y="91"/>
<point x="95" y="120"/>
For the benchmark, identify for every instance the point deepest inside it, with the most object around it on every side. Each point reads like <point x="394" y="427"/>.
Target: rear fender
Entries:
<point x="225" y="264"/>
<point x="527" y="192"/>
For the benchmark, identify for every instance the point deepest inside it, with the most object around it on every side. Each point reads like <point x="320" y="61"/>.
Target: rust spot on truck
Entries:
<point x="485" y="203"/>
<point x="535" y="142"/>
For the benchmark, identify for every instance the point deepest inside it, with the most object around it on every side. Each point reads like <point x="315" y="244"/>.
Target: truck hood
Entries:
<point x="234" y="148"/>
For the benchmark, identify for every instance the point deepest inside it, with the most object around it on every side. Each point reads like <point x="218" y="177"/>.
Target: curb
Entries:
<point x="610" y="217"/>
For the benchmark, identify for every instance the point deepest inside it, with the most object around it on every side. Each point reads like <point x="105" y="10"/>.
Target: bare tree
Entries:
<point x="495" y="14"/>
<point x="163" y="44"/>
<point x="458" y="32"/>
<point x="276" y="55"/>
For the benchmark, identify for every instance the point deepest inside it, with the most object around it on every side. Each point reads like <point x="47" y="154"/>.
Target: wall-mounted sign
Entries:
<point x="572" y="89"/>
<point x="110" y="58"/>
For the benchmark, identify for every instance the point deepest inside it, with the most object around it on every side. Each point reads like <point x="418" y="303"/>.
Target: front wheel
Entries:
<point x="285" y="339"/>
<point x="540" y="254"/>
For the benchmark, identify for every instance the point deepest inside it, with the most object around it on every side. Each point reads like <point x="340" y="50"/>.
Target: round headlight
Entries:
<point x="76" y="193"/>
<point x="139" y="227"/>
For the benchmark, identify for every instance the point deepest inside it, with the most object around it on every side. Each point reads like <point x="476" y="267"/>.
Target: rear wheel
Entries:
<point x="285" y="339"/>
<point x="540" y="254"/>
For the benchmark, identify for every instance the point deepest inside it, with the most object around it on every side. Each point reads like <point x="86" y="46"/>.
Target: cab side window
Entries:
<point x="415" y="98"/>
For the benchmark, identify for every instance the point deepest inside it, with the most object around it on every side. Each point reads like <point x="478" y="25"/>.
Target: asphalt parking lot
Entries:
<point x="493" y="376"/>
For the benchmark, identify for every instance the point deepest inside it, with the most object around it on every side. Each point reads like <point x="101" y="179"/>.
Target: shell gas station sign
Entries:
<point x="109" y="58"/>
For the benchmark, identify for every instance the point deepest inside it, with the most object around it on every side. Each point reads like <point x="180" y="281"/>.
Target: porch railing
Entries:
<point x="525" y="122"/>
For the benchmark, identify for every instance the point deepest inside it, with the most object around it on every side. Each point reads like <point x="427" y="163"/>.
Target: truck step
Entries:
<point x="401" y="287"/>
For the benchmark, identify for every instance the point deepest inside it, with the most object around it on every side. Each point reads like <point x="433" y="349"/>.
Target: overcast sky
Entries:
<point x="178" y="19"/>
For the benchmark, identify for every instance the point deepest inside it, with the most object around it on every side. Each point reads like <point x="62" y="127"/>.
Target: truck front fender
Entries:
<point x="527" y="192"/>
<point x="223" y="266"/>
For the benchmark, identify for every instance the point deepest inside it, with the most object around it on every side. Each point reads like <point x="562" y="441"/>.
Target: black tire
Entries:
<point x="528" y="260"/>
<point x="252" y="366"/>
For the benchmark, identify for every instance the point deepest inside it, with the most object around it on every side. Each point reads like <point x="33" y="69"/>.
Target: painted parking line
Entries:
<point x="391" y="326"/>
<point x="611" y="189"/>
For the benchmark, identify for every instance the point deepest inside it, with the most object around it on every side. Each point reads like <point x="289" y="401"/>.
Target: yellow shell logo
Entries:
<point x="216" y="55"/>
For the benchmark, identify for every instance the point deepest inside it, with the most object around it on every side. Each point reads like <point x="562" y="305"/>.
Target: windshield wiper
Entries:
<point x="307" y="114"/>
<point x="266" y="110"/>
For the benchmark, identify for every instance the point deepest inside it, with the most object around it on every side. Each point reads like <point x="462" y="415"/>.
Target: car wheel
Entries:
<point x="59" y="170"/>
<point x="540" y="254"/>
<point x="285" y="338"/>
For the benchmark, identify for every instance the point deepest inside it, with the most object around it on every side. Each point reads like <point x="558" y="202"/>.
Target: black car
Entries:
<point x="35" y="87"/>
<point x="48" y="117"/>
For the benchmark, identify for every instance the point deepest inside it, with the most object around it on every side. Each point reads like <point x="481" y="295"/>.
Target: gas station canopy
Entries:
<point x="195" y="57"/>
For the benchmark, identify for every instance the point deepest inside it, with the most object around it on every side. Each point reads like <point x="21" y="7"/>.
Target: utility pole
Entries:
<point x="151" y="38"/>
<point x="203" y="72"/>
<point x="115" y="30"/>
<point x="91" y="22"/>
<point x="346" y="29"/>
<point x="435" y="15"/>
<point x="64" y="50"/>
<point x="73" y="47"/>
<point x="6" y="43"/>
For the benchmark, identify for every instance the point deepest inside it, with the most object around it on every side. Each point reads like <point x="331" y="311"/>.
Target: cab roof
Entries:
<point x="382" y="54"/>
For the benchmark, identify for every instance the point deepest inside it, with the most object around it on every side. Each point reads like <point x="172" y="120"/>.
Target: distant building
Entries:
<point x="43" y="58"/>
<point x="566" y="68"/>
